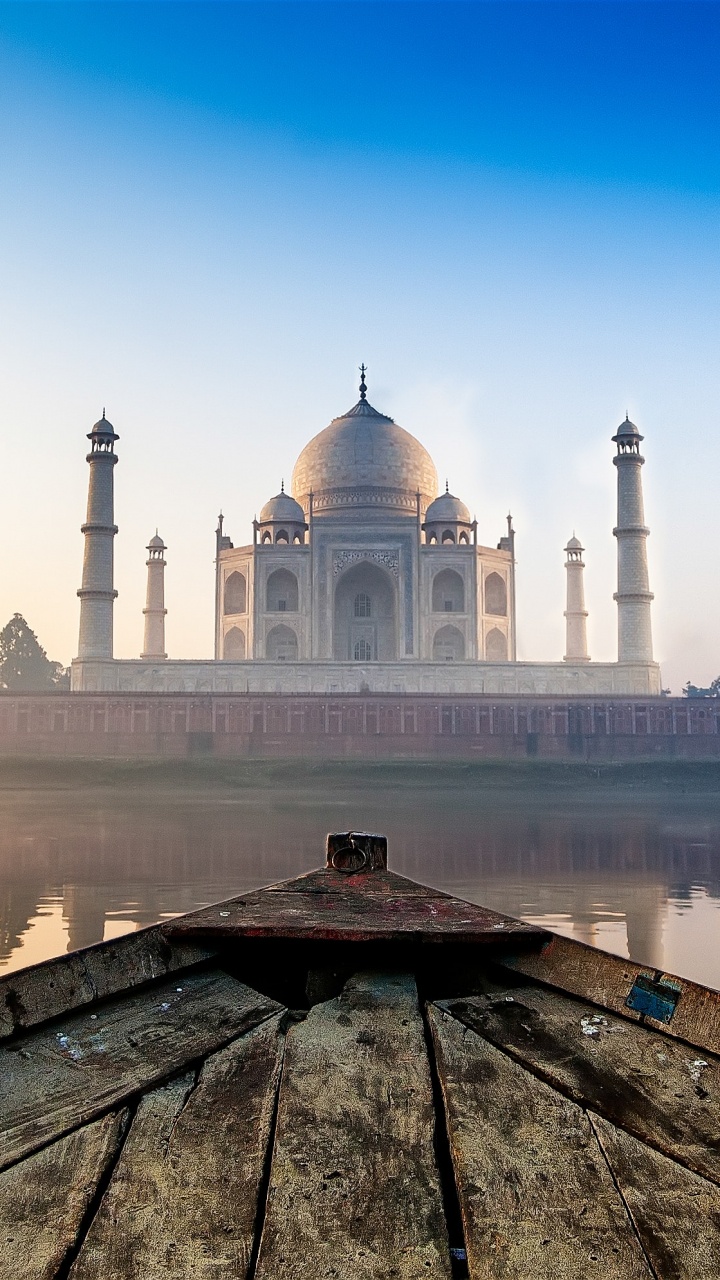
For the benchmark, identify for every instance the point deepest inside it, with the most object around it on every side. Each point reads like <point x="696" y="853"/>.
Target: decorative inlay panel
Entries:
<point x="388" y="559"/>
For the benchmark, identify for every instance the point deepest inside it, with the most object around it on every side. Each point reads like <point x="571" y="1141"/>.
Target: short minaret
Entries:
<point x="155" y="610"/>
<point x="97" y="593"/>
<point x="633" y="595"/>
<point x="576" y="613"/>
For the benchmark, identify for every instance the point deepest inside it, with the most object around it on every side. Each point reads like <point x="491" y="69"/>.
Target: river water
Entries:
<point x="633" y="871"/>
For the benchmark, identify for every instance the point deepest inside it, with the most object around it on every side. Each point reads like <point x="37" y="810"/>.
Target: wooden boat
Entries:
<point x="353" y="1076"/>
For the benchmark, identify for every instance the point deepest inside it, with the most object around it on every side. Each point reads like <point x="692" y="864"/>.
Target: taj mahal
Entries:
<point x="365" y="577"/>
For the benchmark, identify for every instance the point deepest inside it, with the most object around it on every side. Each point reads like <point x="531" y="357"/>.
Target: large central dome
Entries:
<point x="364" y="459"/>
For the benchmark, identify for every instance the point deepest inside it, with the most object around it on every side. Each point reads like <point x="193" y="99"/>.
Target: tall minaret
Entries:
<point x="633" y="595"/>
<point x="576" y="613"/>
<point x="155" y="610"/>
<point x="97" y="593"/>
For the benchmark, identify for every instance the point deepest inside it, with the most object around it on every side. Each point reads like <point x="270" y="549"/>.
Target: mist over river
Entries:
<point x="625" y="857"/>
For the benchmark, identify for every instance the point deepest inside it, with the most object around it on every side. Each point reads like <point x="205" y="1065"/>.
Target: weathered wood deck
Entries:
<point x="350" y="1076"/>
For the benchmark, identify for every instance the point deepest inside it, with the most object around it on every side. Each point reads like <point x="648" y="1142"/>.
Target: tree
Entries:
<point x="24" y="664"/>
<point x="694" y="691"/>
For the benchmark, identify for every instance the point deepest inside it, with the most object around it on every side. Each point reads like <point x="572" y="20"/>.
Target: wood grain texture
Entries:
<point x="536" y="1195"/>
<point x="643" y="1081"/>
<point x="44" y="1199"/>
<point x="31" y="996"/>
<point x="62" y="1076"/>
<point x="365" y="907"/>
<point x="581" y="970"/>
<point x="183" y="1199"/>
<point x="676" y="1212"/>
<point x="354" y="1190"/>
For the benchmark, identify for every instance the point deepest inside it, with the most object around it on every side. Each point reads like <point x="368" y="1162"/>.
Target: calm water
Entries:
<point x="635" y="874"/>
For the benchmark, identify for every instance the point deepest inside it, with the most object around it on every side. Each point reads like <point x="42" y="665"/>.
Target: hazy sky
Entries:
<point x="211" y="213"/>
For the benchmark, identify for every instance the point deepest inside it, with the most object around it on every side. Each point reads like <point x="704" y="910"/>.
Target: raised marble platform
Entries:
<point x="562" y="679"/>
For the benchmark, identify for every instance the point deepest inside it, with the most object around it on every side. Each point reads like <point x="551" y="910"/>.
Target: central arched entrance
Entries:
<point x="365" y="616"/>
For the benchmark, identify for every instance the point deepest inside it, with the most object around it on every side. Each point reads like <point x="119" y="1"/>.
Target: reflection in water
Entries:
<point x="79" y="866"/>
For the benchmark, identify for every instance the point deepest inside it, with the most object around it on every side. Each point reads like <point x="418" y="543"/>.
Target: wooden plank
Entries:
<point x="49" y="990"/>
<point x="62" y="1076"/>
<point x="365" y="907"/>
<point x="44" y="1199"/>
<point x="183" y="1199"/>
<point x="327" y="880"/>
<point x="581" y="970"/>
<point x="676" y="1212"/>
<point x="646" y="1082"/>
<point x="354" y="1190"/>
<point x="536" y="1195"/>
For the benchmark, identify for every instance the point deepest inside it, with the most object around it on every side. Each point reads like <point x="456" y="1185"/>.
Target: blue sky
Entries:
<point x="210" y="214"/>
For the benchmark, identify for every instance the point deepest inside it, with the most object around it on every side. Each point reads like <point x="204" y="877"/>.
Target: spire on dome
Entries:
<point x="363" y="387"/>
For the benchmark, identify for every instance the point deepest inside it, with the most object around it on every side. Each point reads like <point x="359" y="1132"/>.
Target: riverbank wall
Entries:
<point x="364" y="726"/>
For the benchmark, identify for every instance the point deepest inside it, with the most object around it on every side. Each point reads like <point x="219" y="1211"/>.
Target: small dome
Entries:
<point x="627" y="428"/>
<point x="282" y="508"/>
<point x="574" y="544"/>
<point x="447" y="509"/>
<point x="156" y="542"/>
<point x="103" y="427"/>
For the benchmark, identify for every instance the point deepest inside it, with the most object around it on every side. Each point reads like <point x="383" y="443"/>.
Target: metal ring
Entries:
<point x="359" y="859"/>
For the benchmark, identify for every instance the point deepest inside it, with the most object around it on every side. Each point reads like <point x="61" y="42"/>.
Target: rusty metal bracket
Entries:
<point x="353" y="851"/>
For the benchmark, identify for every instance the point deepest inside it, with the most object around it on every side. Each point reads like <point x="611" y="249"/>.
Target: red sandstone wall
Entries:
<point x="367" y="726"/>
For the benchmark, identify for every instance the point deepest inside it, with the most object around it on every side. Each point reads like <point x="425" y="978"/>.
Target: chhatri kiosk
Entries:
<point x="364" y="578"/>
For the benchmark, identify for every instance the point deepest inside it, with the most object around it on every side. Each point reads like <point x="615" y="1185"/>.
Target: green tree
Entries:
<point x="695" y="691"/>
<point x="24" y="664"/>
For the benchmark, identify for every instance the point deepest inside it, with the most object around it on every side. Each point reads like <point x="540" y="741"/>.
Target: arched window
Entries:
<point x="282" y="536"/>
<point x="495" y="595"/>
<point x="282" y="592"/>
<point x="448" y="592"/>
<point x="464" y="538"/>
<point x="448" y="535"/>
<point x="432" y="537"/>
<point x="235" y="593"/>
<point x="297" y="537"/>
<point x="234" y="645"/>
<point x="448" y="645"/>
<point x="363" y="651"/>
<point x="363" y="606"/>
<point x="267" y="536"/>
<point x="281" y="644"/>
<point x="496" y="646"/>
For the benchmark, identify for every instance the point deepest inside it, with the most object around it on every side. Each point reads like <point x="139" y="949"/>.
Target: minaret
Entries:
<point x="155" y="610"/>
<point x="576" y="613"/>
<point x="633" y="595"/>
<point x="97" y="593"/>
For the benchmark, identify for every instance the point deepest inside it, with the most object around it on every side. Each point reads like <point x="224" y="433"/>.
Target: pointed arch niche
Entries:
<point x="448" y="592"/>
<point x="448" y="645"/>
<point x="235" y="597"/>
<point x="496" y="648"/>
<point x="365" y="615"/>
<point x="234" y="645"/>
<point x="281" y="644"/>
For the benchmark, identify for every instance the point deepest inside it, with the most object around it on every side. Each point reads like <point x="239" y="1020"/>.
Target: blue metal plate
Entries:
<point x="656" y="998"/>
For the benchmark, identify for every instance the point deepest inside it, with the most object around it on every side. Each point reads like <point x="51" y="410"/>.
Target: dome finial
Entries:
<point x="447" y="486"/>
<point x="282" y="486"/>
<point x="363" y="388"/>
<point x="103" y="417"/>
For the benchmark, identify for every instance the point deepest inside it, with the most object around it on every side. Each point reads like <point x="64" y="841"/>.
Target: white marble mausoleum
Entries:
<point x="365" y="577"/>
